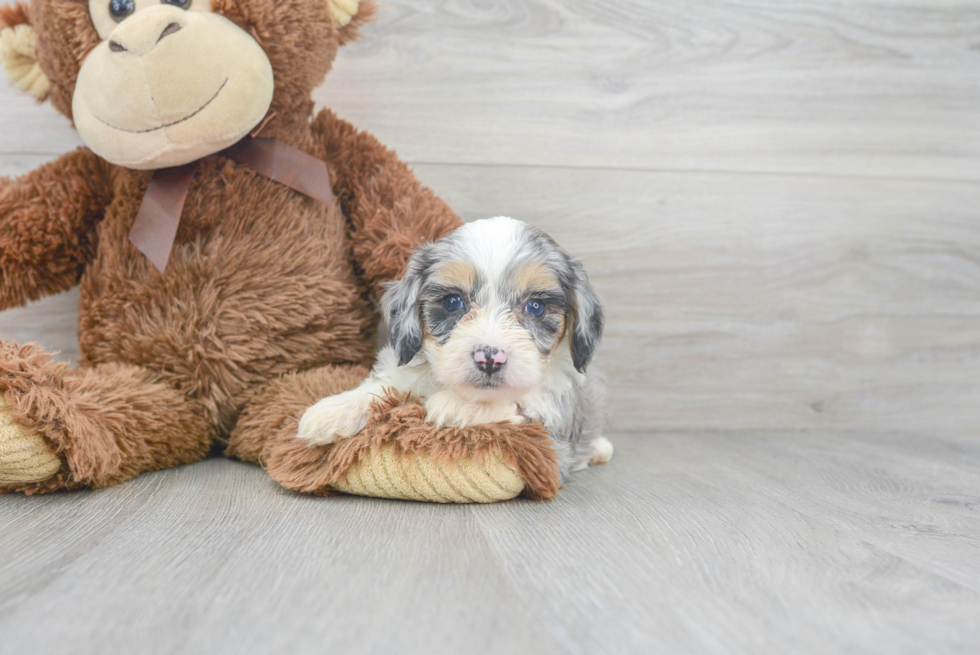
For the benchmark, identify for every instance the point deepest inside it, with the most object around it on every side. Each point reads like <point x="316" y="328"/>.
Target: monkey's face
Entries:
<point x="157" y="83"/>
<point x="169" y="83"/>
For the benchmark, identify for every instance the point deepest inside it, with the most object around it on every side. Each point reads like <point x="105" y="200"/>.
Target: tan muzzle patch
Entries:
<point x="135" y="108"/>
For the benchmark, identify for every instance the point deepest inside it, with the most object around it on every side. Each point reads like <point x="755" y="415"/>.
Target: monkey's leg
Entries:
<point x="398" y="455"/>
<point x="271" y="421"/>
<point x="64" y="428"/>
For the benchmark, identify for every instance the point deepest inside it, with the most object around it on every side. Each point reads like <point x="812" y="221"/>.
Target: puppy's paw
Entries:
<point x="336" y="417"/>
<point x="510" y="415"/>
<point x="441" y="409"/>
<point x="447" y="409"/>
<point x="602" y="451"/>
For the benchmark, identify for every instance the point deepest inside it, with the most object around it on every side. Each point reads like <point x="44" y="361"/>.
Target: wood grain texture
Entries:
<point x="860" y="87"/>
<point x="842" y="298"/>
<point x="852" y="87"/>
<point x="744" y="301"/>
<point x="685" y="543"/>
<point x="765" y="301"/>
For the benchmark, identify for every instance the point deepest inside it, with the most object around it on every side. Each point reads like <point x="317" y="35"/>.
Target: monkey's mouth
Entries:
<point x="166" y="125"/>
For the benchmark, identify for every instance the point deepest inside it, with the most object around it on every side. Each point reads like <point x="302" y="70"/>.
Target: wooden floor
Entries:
<point x="779" y="202"/>
<point x="688" y="543"/>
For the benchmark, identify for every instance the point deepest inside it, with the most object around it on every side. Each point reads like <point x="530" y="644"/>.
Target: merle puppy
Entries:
<point x="494" y="322"/>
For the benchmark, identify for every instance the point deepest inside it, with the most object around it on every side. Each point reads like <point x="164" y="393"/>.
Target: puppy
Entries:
<point x="494" y="322"/>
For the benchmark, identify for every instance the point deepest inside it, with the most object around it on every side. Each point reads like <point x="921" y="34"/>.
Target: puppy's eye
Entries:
<point x="183" y="4"/>
<point x="453" y="303"/>
<point x="120" y="9"/>
<point x="534" y="308"/>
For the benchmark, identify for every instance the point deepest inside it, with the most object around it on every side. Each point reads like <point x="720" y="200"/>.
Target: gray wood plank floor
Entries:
<point x="687" y="543"/>
<point x="780" y="203"/>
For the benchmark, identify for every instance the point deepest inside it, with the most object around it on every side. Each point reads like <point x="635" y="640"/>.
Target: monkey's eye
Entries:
<point x="120" y="9"/>
<point x="183" y="4"/>
<point x="534" y="308"/>
<point x="453" y="303"/>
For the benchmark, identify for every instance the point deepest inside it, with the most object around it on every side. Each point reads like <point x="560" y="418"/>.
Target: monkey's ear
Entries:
<point x="349" y="15"/>
<point x="17" y="51"/>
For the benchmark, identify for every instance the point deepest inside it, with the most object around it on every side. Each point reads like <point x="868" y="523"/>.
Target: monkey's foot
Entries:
<point x="383" y="472"/>
<point x="25" y="458"/>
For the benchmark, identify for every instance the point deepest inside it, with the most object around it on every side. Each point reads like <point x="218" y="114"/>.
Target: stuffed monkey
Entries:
<point x="219" y="296"/>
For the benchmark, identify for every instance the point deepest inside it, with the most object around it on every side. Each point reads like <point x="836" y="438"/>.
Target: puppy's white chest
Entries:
<point x="447" y="408"/>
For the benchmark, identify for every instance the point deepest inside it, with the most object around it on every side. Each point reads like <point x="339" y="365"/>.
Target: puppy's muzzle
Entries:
<point x="489" y="360"/>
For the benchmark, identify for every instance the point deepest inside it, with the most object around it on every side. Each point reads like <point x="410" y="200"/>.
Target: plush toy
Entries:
<point x="228" y="242"/>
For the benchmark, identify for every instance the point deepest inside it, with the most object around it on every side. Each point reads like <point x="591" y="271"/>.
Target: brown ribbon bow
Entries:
<point x="156" y="223"/>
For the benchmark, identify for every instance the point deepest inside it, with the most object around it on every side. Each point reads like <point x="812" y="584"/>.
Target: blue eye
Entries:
<point x="452" y="303"/>
<point x="534" y="308"/>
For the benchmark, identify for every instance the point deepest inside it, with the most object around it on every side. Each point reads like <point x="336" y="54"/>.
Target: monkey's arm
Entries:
<point x="389" y="210"/>
<point x="47" y="226"/>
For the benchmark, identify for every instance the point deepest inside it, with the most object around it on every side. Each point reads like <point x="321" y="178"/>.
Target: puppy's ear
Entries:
<point x="400" y="305"/>
<point x="587" y="316"/>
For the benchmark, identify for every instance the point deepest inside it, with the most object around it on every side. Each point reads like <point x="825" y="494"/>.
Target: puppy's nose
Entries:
<point x="490" y="360"/>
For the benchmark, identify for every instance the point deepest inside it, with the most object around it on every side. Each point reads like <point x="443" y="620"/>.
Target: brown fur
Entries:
<point x="367" y="11"/>
<point x="273" y="416"/>
<point x="263" y="282"/>
<point x="13" y="15"/>
<point x="266" y="435"/>
<point x="108" y="423"/>
<point x="48" y="222"/>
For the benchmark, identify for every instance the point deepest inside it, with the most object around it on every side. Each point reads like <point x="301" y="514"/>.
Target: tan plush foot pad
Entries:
<point x="384" y="472"/>
<point x="25" y="458"/>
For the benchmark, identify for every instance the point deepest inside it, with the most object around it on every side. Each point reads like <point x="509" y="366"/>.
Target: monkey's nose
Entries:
<point x="140" y="33"/>
<point x="490" y="360"/>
